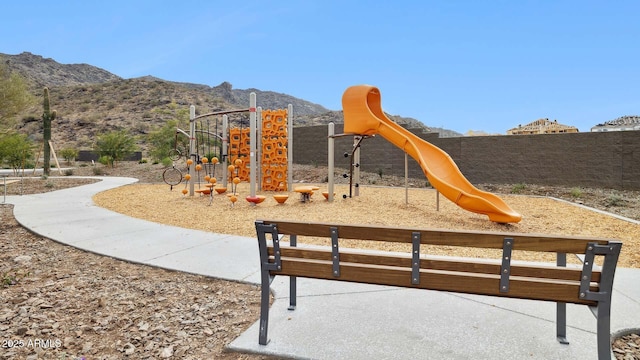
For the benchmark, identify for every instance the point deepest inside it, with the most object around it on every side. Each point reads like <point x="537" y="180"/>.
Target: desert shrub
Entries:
<point x="163" y="141"/>
<point x="69" y="154"/>
<point x="614" y="200"/>
<point x="9" y="278"/>
<point x="16" y="151"/>
<point x="68" y="172"/>
<point x="166" y="162"/>
<point x="576" y="192"/>
<point x="518" y="188"/>
<point x="98" y="171"/>
<point x="115" y="146"/>
<point x="105" y="160"/>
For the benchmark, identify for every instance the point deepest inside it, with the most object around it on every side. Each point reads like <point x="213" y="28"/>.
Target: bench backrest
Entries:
<point x="587" y="284"/>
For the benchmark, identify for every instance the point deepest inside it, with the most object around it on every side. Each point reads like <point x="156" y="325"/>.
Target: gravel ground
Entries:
<point x="59" y="302"/>
<point x="63" y="303"/>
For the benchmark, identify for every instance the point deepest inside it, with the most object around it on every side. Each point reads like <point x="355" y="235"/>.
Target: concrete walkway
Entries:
<point x="333" y="320"/>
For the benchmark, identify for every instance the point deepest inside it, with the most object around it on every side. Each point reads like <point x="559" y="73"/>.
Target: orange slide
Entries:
<point x="363" y="115"/>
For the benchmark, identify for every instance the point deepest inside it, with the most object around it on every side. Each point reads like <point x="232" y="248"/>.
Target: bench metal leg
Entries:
<point x="604" y="330"/>
<point x="264" y="308"/>
<point x="293" y="240"/>
<point x="561" y="308"/>
<point x="292" y="293"/>
<point x="561" y="323"/>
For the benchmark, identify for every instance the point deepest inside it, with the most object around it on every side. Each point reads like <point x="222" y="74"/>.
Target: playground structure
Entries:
<point x="363" y="117"/>
<point x="237" y="150"/>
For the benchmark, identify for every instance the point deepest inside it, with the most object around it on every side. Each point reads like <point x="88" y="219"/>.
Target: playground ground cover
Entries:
<point x="376" y="205"/>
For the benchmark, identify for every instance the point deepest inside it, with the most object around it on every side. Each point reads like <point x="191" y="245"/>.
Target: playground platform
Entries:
<point x="333" y="320"/>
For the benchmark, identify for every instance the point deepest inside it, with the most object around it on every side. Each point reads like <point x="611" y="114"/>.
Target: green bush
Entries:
<point x="163" y="141"/>
<point x="614" y="200"/>
<point x="105" y="160"/>
<point x="115" y="146"/>
<point x="576" y="192"/>
<point x="68" y="172"/>
<point x="518" y="188"/>
<point x="69" y="154"/>
<point x="166" y="162"/>
<point x="16" y="151"/>
<point x="8" y="278"/>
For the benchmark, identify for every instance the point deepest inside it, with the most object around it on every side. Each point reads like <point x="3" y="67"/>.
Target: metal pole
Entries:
<point x="406" y="179"/>
<point x="259" y="146"/>
<point x="225" y="150"/>
<point x="331" y="159"/>
<point x="289" y="147"/>
<point x="252" y="145"/>
<point x="192" y="148"/>
<point x="356" y="164"/>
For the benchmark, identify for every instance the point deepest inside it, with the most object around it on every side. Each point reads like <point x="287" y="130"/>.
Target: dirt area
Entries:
<point x="97" y="307"/>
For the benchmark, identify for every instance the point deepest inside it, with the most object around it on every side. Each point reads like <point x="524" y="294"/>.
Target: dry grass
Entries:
<point x="375" y="206"/>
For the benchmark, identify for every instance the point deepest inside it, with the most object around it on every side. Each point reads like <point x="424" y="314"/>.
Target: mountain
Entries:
<point x="90" y="101"/>
<point x="41" y="72"/>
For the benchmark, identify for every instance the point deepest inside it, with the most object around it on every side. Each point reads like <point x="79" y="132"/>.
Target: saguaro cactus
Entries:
<point x="47" y="117"/>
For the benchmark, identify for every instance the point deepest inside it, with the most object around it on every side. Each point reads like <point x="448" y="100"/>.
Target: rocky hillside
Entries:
<point x="91" y="101"/>
<point x="41" y="72"/>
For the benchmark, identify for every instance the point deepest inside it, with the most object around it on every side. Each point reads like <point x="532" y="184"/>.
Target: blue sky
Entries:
<point x="461" y="65"/>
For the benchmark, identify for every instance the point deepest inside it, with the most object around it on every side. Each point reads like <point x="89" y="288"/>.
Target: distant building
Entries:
<point x="542" y="126"/>
<point x="478" y="133"/>
<point x="623" y="123"/>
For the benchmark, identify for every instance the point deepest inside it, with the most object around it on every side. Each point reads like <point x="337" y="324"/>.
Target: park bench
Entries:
<point x="587" y="284"/>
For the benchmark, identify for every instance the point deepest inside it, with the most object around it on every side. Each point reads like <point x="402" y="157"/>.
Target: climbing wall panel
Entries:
<point x="239" y="148"/>
<point x="274" y="150"/>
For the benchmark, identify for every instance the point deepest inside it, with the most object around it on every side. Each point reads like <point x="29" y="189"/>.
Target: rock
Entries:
<point x="87" y="347"/>
<point x="143" y="326"/>
<point x="167" y="352"/>
<point x="129" y="348"/>
<point x="22" y="259"/>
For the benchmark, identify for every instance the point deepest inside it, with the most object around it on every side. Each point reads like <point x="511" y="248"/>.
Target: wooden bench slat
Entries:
<point x="451" y="264"/>
<point x="481" y="284"/>
<point x="490" y="240"/>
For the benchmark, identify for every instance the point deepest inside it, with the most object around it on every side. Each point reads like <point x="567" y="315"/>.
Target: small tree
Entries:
<point x="14" y="97"/>
<point x="69" y="154"/>
<point x="163" y="141"/>
<point x="16" y="150"/>
<point x="115" y="145"/>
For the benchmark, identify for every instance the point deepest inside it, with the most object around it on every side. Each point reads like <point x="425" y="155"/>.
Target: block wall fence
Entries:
<point x="603" y="159"/>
